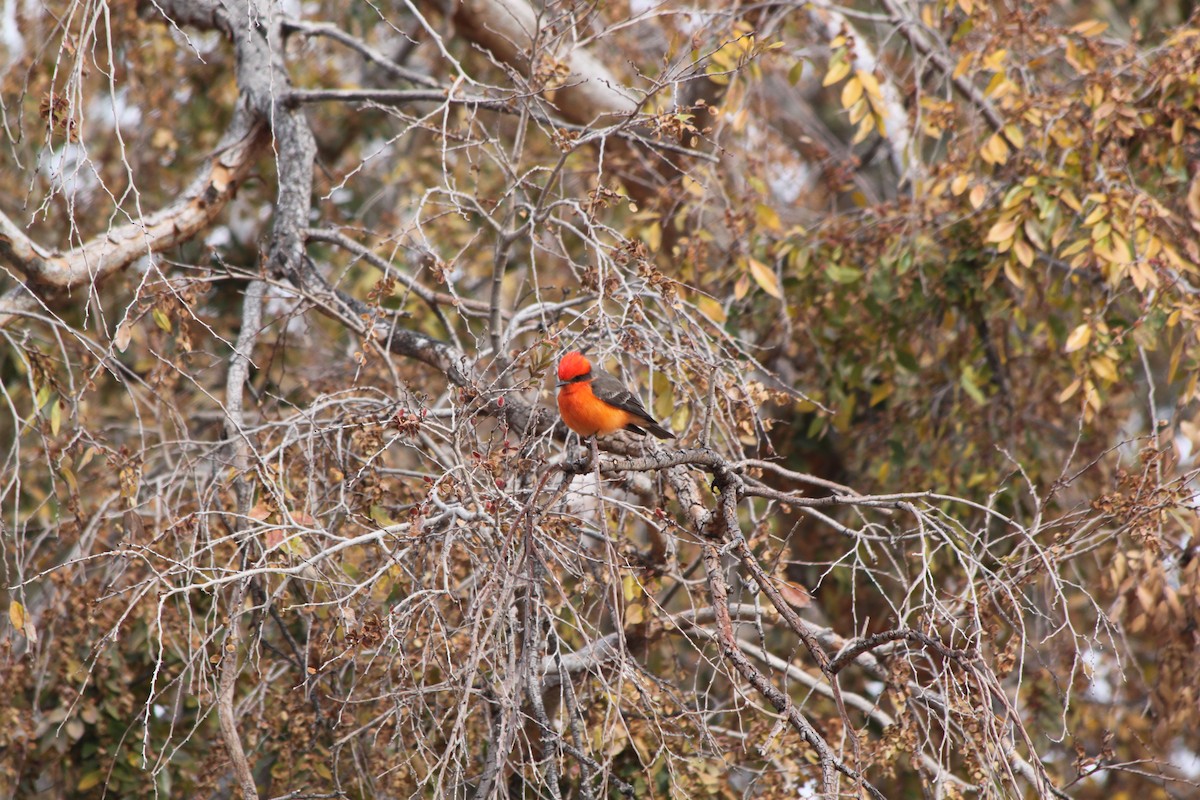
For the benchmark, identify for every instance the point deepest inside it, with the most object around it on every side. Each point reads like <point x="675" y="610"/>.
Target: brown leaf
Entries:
<point x="132" y="522"/>
<point x="123" y="335"/>
<point x="795" y="594"/>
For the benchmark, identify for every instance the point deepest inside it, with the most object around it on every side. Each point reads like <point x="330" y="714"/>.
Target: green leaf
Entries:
<point x="795" y="73"/>
<point x="968" y="382"/>
<point x="842" y="274"/>
<point x="380" y="516"/>
<point x="907" y="360"/>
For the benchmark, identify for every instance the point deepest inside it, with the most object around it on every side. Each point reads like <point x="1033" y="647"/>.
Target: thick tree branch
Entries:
<point x="515" y="34"/>
<point x="94" y="261"/>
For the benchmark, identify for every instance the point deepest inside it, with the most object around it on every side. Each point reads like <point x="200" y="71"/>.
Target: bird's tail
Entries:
<point x="657" y="430"/>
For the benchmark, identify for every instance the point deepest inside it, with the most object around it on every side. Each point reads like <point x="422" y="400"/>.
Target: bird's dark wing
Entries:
<point x="613" y="392"/>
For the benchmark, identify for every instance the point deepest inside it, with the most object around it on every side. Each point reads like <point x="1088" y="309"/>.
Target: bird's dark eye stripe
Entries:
<point x="585" y="376"/>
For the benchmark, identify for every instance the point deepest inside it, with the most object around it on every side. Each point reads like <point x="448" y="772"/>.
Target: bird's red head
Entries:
<point x="572" y="366"/>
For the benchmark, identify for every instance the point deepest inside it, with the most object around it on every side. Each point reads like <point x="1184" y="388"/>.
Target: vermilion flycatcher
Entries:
<point x="594" y="403"/>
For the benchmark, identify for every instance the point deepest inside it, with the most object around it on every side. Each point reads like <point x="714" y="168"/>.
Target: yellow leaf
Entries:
<point x="864" y="130"/>
<point x="768" y="217"/>
<point x="880" y="122"/>
<point x="69" y="477"/>
<point x="1075" y="247"/>
<point x="1078" y="338"/>
<point x="1079" y="58"/>
<point x="1014" y="135"/>
<point x="56" y="417"/>
<point x="1090" y="28"/>
<point x="870" y="84"/>
<point x="959" y="184"/>
<point x="997" y="86"/>
<point x="1104" y="368"/>
<point x="963" y="65"/>
<point x="1070" y="391"/>
<point x="652" y="236"/>
<point x="994" y="150"/>
<point x="1122" y="253"/>
<point x="16" y="615"/>
<point x="765" y="277"/>
<point x="880" y="393"/>
<point x="839" y="68"/>
<point x="1059" y="236"/>
<point x="741" y="287"/>
<point x="161" y="319"/>
<point x="1024" y="252"/>
<point x="858" y="112"/>
<point x="1002" y="231"/>
<point x="1013" y="274"/>
<point x="1143" y="276"/>
<point x="978" y="195"/>
<point x="90" y="781"/>
<point x="1153" y="248"/>
<point x="1032" y="234"/>
<point x="1098" y="213"/>
<point x="711" y="309"/>
<point x="1176" y="355"/>
<point x="852" y="92"/>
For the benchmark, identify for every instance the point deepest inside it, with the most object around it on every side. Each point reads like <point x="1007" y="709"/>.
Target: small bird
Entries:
<point x="594" y="403"/>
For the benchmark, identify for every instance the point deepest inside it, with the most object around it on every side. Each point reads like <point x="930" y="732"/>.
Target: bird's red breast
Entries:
<point x="589" y="415"/>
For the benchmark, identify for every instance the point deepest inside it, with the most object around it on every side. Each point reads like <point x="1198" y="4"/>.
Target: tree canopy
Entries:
<point x="287" y="509"/>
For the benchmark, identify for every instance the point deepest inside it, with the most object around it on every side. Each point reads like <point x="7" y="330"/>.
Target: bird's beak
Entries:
<point x="561" y="384"/>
